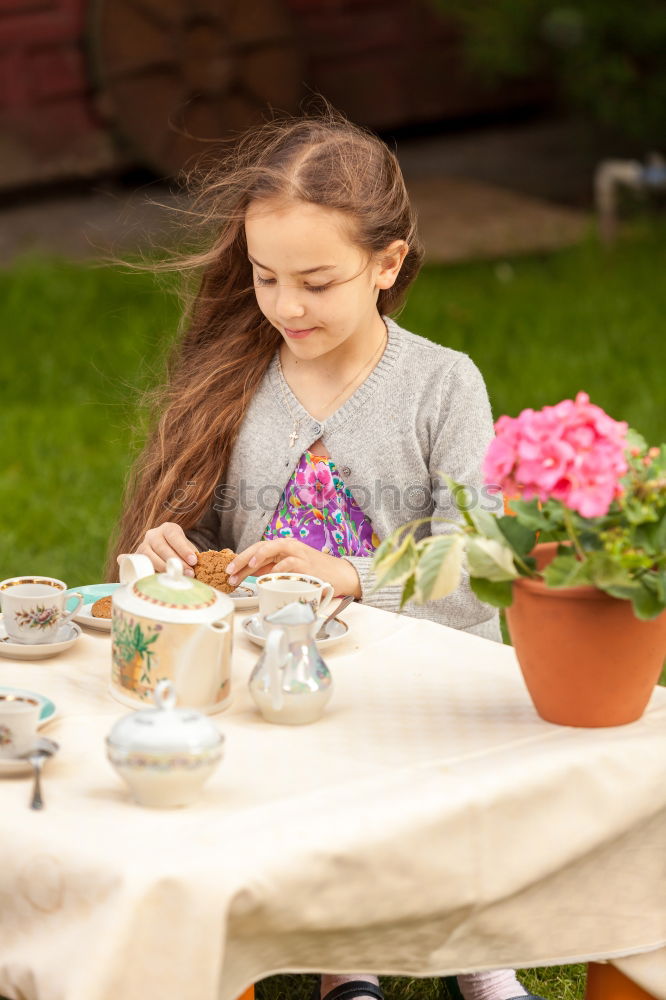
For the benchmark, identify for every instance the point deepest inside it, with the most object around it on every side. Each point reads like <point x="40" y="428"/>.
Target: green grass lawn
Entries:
<point x="81" y="343"/>
<point x="556" y="983"/>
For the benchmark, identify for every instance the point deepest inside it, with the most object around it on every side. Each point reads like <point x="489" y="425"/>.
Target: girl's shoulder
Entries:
<point x="420" y="354"/>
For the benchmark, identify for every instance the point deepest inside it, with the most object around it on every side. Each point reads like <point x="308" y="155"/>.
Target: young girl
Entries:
<point x="300" y="425"/>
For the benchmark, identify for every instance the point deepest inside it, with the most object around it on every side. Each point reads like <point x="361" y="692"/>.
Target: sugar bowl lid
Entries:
<point x="165" y="727"/>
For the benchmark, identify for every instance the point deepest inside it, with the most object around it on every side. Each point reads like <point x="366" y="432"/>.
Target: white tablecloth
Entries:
<point x="430" y="823"/>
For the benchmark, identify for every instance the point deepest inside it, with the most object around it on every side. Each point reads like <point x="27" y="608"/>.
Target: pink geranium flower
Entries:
<point x="314" y="485"/>
<point x="572" y="452"/>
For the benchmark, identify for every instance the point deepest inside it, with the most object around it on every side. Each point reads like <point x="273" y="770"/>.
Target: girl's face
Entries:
<point x="312" y="283"/>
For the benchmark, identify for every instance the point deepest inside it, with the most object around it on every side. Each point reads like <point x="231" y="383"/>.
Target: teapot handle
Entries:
<point x="275" y="652"/>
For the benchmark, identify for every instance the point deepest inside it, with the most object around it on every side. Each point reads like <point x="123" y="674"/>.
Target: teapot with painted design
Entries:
<point x="169" y="626"/>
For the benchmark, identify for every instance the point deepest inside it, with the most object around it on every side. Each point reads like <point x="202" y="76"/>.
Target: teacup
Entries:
<point x="19" y="715"/>
<point x="33" y="607"/>
<point x="275" y="590"/>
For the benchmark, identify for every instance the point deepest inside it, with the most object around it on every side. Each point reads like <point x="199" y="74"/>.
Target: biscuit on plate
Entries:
<point x="211" y="567"/>
<point x="102" y="608"/>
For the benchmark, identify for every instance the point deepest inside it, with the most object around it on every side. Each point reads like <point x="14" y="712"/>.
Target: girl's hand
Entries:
<point x="287" y="555"/>
<point x="165" y="541"/>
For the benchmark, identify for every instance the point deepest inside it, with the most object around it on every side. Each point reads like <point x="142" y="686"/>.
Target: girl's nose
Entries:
<point x="289" y="304"/>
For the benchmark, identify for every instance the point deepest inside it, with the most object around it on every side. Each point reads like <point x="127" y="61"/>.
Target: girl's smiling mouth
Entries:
<point x="298" y="334"/>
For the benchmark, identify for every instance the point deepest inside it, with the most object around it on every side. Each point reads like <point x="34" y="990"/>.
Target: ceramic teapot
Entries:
<point x="168" y="626"/>
<point x="290" y="683"/>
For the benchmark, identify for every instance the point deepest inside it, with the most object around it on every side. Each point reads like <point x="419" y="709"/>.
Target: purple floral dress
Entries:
<point x="317" y="508"/>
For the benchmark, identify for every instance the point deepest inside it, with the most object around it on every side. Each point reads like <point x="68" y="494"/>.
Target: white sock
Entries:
<point x="498" y="985"/>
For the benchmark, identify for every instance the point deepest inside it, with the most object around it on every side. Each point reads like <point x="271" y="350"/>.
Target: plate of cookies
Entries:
<point x="211" y="567"/>
<point x="96" y="609"/>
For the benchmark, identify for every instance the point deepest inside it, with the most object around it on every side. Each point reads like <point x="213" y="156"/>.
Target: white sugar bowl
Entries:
<point x="165" y="754"/>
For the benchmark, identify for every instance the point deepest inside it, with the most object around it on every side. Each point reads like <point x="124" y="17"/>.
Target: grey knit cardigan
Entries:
<point x="421" y="412"/>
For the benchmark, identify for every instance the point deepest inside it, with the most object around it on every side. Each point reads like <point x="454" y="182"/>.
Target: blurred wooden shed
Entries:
<point x="98" y="86"/>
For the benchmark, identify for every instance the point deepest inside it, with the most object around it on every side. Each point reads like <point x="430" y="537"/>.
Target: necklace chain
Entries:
<point x="296" y="421"/>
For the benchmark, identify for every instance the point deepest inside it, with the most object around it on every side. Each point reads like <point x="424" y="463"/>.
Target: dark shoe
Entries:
<point x="347" y="991"/>
<point x="452" y="988"/>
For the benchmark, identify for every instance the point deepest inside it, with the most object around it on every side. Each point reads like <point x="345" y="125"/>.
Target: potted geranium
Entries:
<point x="578" y="559"/>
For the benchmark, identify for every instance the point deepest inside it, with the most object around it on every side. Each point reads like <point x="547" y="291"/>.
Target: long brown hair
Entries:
<point x="226" y="344"/>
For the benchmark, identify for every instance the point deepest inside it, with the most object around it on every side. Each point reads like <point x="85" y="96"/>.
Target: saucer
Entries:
<point x="9" y="765"/>
<point x="86" y="617"/>
<point x="336" y="630"/>
<point x="65" y="637"/>
<point x="245" y="595"/>
<point x="91" y="593"/>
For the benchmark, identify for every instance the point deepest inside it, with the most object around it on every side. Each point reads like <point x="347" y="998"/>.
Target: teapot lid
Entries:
<point x="175" y="590"/>
<point x="165" y="727"/>
<point x="296" y="613"/>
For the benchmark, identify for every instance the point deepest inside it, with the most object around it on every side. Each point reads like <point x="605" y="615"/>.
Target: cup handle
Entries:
<point x="275" y="652"/>
<point x="327" y="595"/>
<point x="67" y="615"/>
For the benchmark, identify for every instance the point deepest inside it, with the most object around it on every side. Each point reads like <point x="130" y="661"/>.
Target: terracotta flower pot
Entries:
<point x="585" y="657"/>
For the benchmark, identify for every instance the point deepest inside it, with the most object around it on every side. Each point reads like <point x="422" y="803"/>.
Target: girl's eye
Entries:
<point x="263" y="282"/>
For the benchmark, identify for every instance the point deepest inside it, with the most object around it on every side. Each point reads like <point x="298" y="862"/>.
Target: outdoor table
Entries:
<point x="430" y="823"/>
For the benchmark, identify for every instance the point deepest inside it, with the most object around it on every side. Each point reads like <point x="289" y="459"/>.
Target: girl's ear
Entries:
<point x="389" y="263"/>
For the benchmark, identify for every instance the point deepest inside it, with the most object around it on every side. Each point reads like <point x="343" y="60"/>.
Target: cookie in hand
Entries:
<point x="211" y="567"/>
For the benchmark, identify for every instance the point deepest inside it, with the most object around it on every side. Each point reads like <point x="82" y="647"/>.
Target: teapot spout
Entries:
<point x="201" y="673"/>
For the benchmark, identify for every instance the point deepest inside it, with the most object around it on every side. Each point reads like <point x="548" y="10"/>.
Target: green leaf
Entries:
<point x="566" y="571"/>
<point x="635" y="440"/>
<point x="521" y="538"/>
<point x="658" y="467"/>
<point x="489" y="559"/>
<point x="486" y="524"/>
<point x="647" y="603"/>
<point x="661" y="585"/>
<point x="624" y="592"/>
<point x="459" y="494"/>
<point x="605" y="571"/>
<point x="499" y="593"/>
<point x="398" y="566"/>
<point x="408" y="590"/>
<point x="384" y="550"/>
<point x="439" y="568"/>
<point x="529" y="515"/>
<point x="658" y="535"/>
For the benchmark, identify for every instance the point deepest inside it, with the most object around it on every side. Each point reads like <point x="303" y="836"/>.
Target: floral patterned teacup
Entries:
<point x="19" y="715"/>
<point x="33" y="607"/>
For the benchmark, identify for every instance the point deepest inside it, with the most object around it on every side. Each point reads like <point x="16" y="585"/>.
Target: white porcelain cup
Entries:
<point x="19" y="715"/>
<point x="33" y="607"/>
<point x="275" y="590"/>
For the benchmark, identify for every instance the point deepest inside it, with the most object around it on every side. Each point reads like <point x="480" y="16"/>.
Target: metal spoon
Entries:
<point x="41" y="751"/>
<point x="344" y="603"/>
